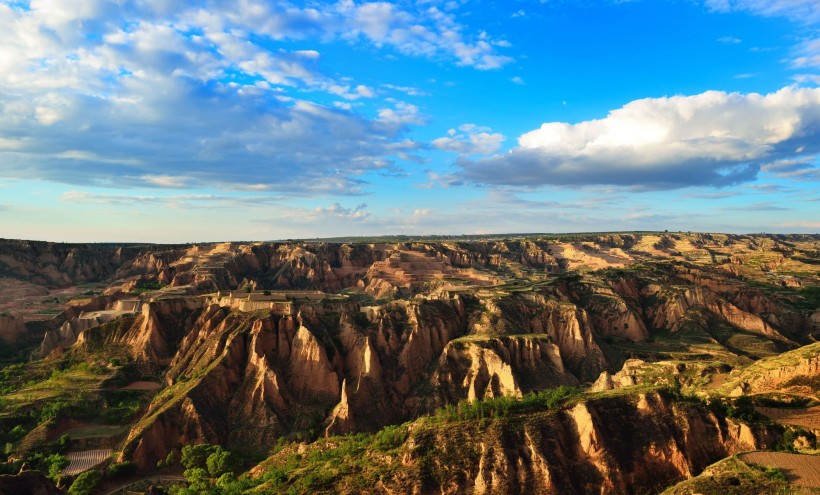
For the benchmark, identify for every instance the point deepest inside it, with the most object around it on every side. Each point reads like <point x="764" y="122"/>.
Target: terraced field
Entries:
<point x="800" y="469"/>
<point x="79" y="462"/>
<point x="808" y="418"/>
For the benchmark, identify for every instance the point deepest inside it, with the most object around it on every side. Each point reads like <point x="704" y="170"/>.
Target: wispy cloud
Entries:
<point x="715" y="195"/>
<point x="173" y="200"/>
<point x="807" y="55"/>
<point x="731" y="40"/>
<point x="808" y="225"/>
<point x="807" y="11"/>
<point x="762" y="206"/>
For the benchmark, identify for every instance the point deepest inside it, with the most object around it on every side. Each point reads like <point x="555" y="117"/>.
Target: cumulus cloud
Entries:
<point x="470" y="139"/>
<point x="401" y="114"/>
<point x="712" y="139"/>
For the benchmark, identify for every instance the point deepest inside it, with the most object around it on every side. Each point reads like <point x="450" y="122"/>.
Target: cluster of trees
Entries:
<point x="209" y="469"/>
<point x="499" y="407"/>
<point x="88" y="482"/>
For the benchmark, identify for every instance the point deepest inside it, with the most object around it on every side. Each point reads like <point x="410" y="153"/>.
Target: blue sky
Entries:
<point x="154" y="120"/>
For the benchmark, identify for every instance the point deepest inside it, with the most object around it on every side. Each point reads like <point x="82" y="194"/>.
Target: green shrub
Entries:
<point x="86" y="483"/>
<point x="774" y="473"/>
<point x="16" y="433"/>
<point x="121" y="470"/>
<point x="390" y="437"/>
<point x="62" y="444"/>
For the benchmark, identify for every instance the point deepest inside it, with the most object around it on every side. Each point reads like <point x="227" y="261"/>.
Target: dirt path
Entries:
<point x="141" y="484"/>
<point x="142" y="385"/>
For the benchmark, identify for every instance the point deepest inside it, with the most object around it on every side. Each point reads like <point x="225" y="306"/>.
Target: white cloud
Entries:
<point x="409" y="29"/>
<point x="408" y="90"/>
<point x="713" y="138"/>
<point x="803" y="12"/>
<point x="470" y="139"/>
<point x="730" y="40"/>
<point x="401" y="114"/>
<point x="807" y="11"/>
<point x="808" y="79"/>
<point x="518" y="80"/>
<point x="348" y="93"/>
<point x="808" y="54"/>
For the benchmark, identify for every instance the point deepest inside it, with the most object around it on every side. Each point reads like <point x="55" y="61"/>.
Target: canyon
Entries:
<point x="286" y="353"/>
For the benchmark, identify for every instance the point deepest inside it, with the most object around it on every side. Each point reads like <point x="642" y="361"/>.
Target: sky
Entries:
<point x="166" y="121"/>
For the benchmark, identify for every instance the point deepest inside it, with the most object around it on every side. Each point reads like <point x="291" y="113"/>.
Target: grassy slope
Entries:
<point x="732" y="476"/>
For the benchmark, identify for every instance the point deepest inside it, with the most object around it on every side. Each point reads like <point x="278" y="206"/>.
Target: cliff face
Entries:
<point x="610" y="446"/>
<point x="794" y="371"/>
<point x="11" y="328"/>
<point x="329" y="367"/>
<point x="56" y="265"/>
<point x="498" y="366"/>
<point x="616" y="445"/>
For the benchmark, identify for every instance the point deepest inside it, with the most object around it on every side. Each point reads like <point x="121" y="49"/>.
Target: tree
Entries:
<point x="86" y="483"/>
<point x="121" y="470"/>
<point x="195" y="456"/>
<point x="56" y="463"/>
<point x="223" y="462"/>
